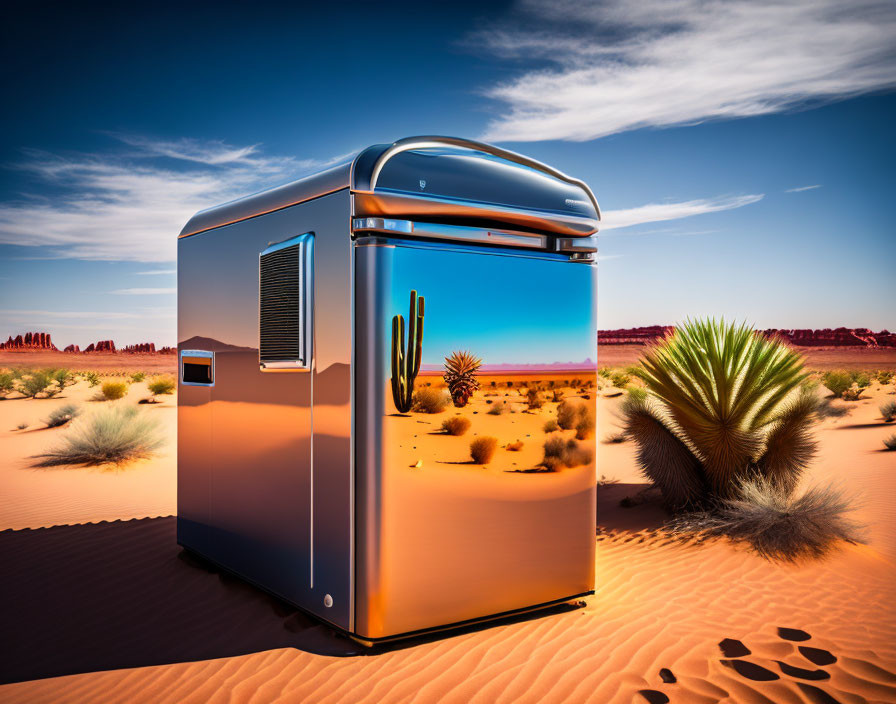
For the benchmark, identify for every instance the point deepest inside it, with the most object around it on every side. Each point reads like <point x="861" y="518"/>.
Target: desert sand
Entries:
<point x="106" y="609"/>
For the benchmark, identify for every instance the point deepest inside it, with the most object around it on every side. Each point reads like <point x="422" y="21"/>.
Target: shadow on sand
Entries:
<point x="105" y="596"/>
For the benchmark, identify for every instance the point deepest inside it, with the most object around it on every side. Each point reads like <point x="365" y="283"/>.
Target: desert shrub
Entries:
<point x="111" y="435"/>
<point x="722" y="404"/>
<point x="777" y="525"/>
<point x="137" y="377"/>
<point x="861" y="379"/>
<point x="497" y="408"/>
<point x="456" y="425"/>
<point x="62" y="415"/>
<point x="550" y="426"/>
<point x="888" y="411"/>
<point x="559" y="453"/>
<point x="884" y="377"/>
<point x="7" y="382"/>
<point x="113" y="390"/>
<point x="853" y="393"/>
<point x="515" y="446"/>
<point x="568" y="414"/>
<point x="620" y="379"/>
<point x="575" y="414"/>
<point x="430" y="400"/>
<point x="63" y="378"/>
<point x="890" y="442"/>
<point x="837" y="382"/>
<point x="34" y="383"/>
<point x="534" y="399"/>
<point x="614" y="438"/>
<point x="162" y="385"/>
<point x="557" y="396"/>
<point x="483" y="449"/>
<point x="585" y="426"/>
<point x="92" y="378"/>
<point x="21" y="426"/>
<point x="605" y="372"/>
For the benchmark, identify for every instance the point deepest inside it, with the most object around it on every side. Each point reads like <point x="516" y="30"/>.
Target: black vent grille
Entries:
<point x="281" y="305"/>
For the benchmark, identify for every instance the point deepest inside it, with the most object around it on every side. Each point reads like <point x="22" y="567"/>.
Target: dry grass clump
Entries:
<point x="884" y="377"/>
<point x="457" y="425"/>
<point x="890" y="442"/>
<point x="35" y="382"/>
<point x="570" y="414"/>
<point x="497" y="408"/>
<point x="111" y="435"/>
<point x="534" y="399"/>
<point x="777" y="525"/>
<point x="430" y="400"/>
<point x="62" y="415"/>
<point x="557" y="396"/>
<point x="888" y="411"/>
<point x="620" y="380"/>
<point x="161" y="385"/>
<point x="483" y="449"/>
<point x="92" y="378"/>
<point x="113" y="390"/>
<point x="585" y="426"/>
<point x="7" y="382"/>
<point x="550" y="426"/>
<point x="837" y="382"/>
<point x="560" y="453"/>
<point x="137" y="377"/>
<point x="515" y="446"/>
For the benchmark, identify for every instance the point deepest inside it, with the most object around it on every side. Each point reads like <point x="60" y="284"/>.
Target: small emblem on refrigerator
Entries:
<point x="422" y="184"/>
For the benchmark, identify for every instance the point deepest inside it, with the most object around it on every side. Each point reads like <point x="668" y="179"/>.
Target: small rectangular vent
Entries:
<point x="283" y="305"/>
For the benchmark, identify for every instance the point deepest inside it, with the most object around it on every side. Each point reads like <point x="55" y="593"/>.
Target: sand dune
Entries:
<point x="114" y="613"/>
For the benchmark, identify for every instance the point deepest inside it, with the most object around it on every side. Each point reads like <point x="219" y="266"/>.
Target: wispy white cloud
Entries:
<point x="660" y="212"/>
<point x="143" y="291"/>
<point x="803" y="188"/>
<point x="153" y="272"/>
<point x="616" y="66"/>
<point x="130" y="205"/>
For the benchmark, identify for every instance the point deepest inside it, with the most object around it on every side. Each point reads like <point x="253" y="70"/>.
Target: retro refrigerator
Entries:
<point x="387" y="383"/>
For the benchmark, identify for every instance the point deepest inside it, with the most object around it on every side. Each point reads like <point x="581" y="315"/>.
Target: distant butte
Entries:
<point x="37" y="341"/>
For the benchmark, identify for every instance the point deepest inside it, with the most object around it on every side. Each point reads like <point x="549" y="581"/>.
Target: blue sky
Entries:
<point x="742" y="152"/>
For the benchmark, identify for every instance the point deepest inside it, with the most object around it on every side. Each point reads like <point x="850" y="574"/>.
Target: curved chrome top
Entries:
<point x="383" y="179"/>
<point x="366" y="182"/>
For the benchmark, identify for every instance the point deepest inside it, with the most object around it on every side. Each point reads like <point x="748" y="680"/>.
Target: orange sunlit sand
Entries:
<point x="724" y="624"/>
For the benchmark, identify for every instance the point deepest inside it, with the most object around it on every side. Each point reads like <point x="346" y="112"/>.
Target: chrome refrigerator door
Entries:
<point x="480" y="498"/>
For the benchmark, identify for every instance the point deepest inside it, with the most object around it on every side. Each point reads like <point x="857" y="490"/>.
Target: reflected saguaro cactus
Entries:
<point x="406" y="359"/>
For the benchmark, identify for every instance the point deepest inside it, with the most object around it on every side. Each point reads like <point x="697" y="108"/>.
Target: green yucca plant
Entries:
<point x="723" y="404"/>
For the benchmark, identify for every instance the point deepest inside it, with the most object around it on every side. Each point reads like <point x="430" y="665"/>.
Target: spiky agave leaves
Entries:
<point x="723" y="386"/>
<point x="789" y="445"/>
<point x="664" y="459"/>
<point x="460" y="375"/>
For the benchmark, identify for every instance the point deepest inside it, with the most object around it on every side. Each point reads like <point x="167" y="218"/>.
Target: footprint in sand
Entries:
<point x="732" y="648"/>
<point x="817" y="656"/>
<point x="802" y="674"/>
<point x="751" y="670"/>
<point x="667" y="676"/>
<point x="793" y="634"/>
